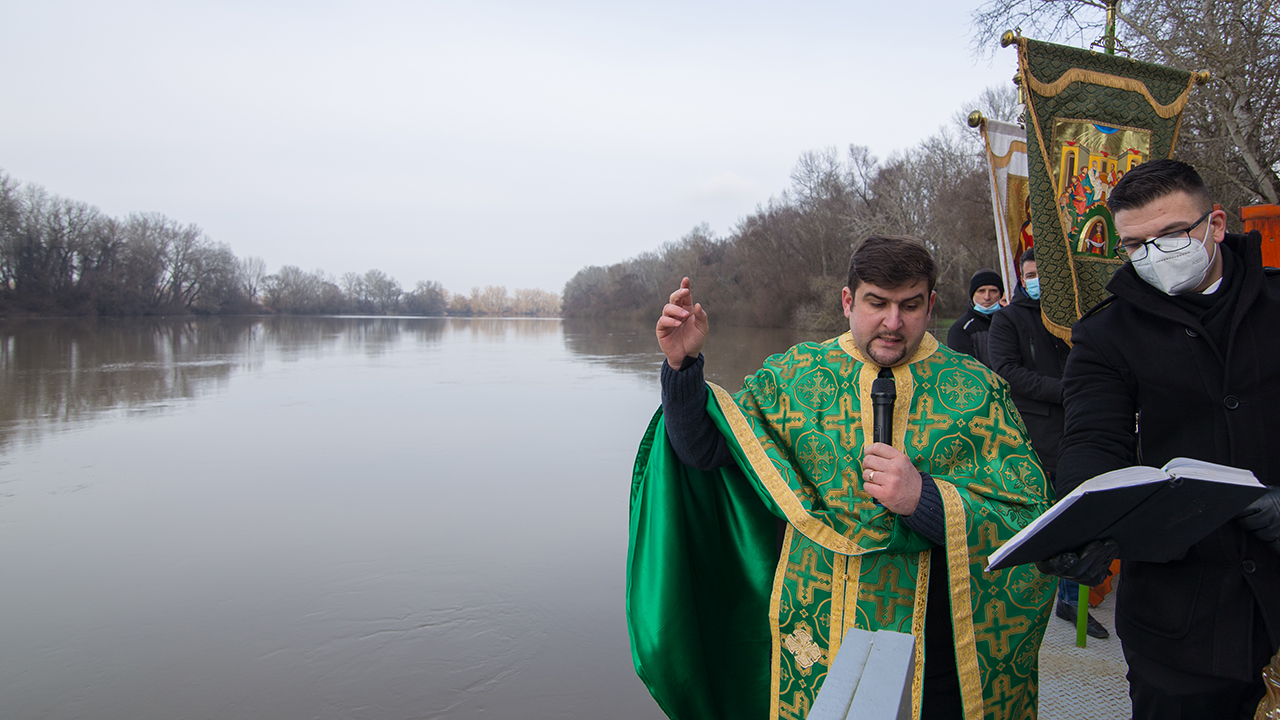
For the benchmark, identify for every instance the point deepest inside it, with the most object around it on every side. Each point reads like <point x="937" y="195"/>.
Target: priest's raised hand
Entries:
<point x="683" y="327"/>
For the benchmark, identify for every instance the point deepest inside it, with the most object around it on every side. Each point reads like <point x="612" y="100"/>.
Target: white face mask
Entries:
<point x="1178" y="271"/>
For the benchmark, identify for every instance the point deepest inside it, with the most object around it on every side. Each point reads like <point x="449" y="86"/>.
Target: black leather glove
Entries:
<point x="1262" y="518"/>
<point x="1089" y="567"/>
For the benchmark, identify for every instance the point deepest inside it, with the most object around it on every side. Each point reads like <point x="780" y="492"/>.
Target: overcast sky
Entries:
<point x="470" y="143"/>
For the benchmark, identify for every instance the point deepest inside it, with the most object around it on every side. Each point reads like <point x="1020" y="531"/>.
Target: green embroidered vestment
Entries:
<point x="722" y="625"/>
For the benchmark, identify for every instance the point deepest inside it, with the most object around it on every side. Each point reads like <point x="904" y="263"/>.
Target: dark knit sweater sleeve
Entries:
<point x="929" y="519"/>
<point x="693" y="435"/>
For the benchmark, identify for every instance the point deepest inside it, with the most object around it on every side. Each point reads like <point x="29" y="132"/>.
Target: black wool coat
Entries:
<point x="1031" y="360"/>
<point x="968" y="334"/>
<point x="1146" y="382"/>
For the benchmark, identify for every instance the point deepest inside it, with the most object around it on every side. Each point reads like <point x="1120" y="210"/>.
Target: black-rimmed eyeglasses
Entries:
<point x="1169" y="243"/>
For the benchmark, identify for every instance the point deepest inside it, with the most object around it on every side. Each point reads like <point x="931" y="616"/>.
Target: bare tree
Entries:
<point x="252" y="272"/>
<point x="427" y="298"/>
<point x="460" y="305"/>
<point x="492" y="300"/>
<point x="353" y="287"/>
<point x="10" y="229"/>
<point x="1078" y="22"/>
<point x="531" y="302"/>
<point x="383" y="291"/>
<point x="785" y="263"/>
<point x="293" y="291"/>
<point x="1231" y="127"/>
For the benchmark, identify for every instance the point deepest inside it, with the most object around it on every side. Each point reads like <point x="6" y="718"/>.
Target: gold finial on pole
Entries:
<point x="976" y="119"/>
<point x="1008" y="38"/>
<point x="1203" y="77"/>
<point x="1112" y="7"/>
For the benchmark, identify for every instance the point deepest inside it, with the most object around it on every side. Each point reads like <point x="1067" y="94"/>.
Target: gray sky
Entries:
<point x="470" y="143"/>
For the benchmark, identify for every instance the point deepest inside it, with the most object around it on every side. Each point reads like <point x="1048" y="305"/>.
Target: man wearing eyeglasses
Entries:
<point x="1189" y="346"/>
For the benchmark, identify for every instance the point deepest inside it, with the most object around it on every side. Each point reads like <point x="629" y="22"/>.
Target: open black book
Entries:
<point x="1155" y="514"/>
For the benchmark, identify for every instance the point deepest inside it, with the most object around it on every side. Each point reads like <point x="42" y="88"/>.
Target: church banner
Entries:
<point x="1090" y="119"/>
<point x="1010" y="203"/>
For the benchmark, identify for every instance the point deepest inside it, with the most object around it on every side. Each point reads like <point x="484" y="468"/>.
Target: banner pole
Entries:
<point x="1112" y="6"/>
<point x="1082" y="613"/>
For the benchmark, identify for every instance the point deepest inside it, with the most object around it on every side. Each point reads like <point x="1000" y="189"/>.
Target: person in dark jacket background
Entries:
<point x="1031" y="360"/>
<point x="1190" y="345"/>
<point x="968" y="334"/>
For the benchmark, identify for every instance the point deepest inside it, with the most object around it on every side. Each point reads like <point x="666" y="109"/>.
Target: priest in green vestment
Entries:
<point x="765" y="524"/>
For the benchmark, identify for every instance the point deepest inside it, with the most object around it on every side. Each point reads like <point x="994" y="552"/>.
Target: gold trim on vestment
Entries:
<point x="904" y="385"/>
<point x="905" y="389"/>
<point x="961" y="601"/>
<point x="847" y="563"/>
<point x="810" y="526"/>
<point x="928" y="345"/>
<point x="835" y="629"/>
<point x="775" y="627"/>
<point x="846" y="577"/>
<point x="853" y="583"/>
<point x="918" y="620"/>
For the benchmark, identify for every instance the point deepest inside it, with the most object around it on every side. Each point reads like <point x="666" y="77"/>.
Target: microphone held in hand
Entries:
<point x="883" y="395"/>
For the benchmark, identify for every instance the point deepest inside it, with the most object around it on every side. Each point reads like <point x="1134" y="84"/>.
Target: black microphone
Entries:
<point x="883" y="395"/>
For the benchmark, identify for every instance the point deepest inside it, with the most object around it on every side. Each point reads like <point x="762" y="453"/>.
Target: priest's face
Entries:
<point x="888" y="323"/>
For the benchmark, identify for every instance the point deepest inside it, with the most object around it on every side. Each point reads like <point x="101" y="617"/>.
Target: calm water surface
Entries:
<point x="324" y="517"/>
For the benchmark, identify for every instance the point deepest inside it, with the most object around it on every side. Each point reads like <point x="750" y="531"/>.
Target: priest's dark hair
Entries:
<point x="890" y="262"/>
<point x="1152" y="180"/>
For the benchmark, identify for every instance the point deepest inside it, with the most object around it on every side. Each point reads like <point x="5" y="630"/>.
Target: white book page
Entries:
<point x="1124" y="477"/>
<point x="1032" y="527"/>
<point x="1201" y="470"/>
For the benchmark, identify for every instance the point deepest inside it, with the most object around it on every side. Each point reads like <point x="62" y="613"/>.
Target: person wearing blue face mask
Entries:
<point x="968" y="334"/>
<point x="1032" y="360"/>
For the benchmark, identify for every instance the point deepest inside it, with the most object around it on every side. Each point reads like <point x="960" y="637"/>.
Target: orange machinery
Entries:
<point x="1266" y="220"/>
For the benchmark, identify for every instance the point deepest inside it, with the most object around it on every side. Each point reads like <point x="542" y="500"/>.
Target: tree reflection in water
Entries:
<point x="62" y="372"/>
<point x="324" y="517"/>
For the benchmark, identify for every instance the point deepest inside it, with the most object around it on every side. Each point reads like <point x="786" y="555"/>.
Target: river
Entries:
<point x="281" y="518"/>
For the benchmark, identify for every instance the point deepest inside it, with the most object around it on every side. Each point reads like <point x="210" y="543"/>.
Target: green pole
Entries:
<point x="1082" y="603"/>
<point x="1112" y="6"/>
<point x="1082" y="614"/>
